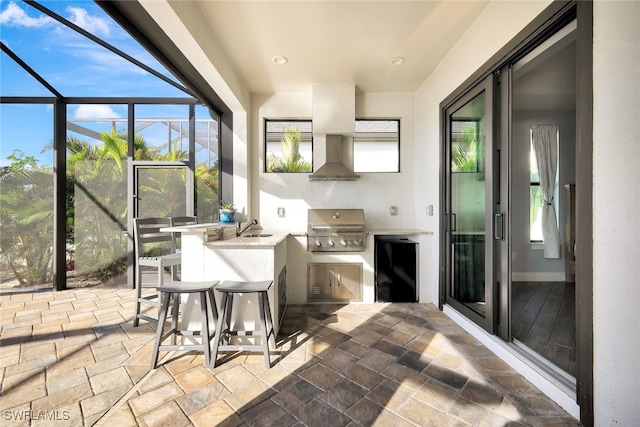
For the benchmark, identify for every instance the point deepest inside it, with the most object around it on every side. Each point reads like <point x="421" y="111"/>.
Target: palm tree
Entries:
<point x="464" y="153"/>
<point x="96" y="206"/>
<point x="292" y="160"/>
<point x="26" y="219"/>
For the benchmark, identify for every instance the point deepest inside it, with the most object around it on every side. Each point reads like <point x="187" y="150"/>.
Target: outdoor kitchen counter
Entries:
<point x="210" y="231"/>
<point x="383" y="232"/>
<point x="235" y="258"/>
<point x="398" y="232"/>
<point x="269" y="238"/>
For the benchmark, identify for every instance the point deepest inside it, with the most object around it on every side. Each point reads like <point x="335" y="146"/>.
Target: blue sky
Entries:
<point x="73" y="64"/>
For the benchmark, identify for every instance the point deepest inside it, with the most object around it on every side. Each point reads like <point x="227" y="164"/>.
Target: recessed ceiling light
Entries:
<point x="280" y="60"/>
<point x="396" y="61"/>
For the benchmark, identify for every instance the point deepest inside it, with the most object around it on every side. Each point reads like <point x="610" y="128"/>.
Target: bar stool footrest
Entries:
<point x="238" y="347"/>
<point x="147" y="318"/>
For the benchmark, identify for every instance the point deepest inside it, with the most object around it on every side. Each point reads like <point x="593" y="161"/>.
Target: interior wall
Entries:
<point x="498" y="23"/>
<point x="528" y="261"/>
<point x="616" y="223"/>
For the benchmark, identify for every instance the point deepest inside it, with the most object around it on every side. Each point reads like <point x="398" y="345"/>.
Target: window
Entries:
<point x="535" y="194"/>
<point x="376" y="146"/>
<point x="288" y="146"/>
<point x="87" y="235"/>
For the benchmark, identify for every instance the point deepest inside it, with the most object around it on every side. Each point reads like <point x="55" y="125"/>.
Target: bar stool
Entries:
<point x="223" y="328"/>
<point x="207" y="299"/>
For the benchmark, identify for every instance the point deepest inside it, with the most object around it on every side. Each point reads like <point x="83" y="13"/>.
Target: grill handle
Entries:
<point x="320" y="227"/>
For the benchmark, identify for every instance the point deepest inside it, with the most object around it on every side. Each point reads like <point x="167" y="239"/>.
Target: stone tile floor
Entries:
<point x="73" y="358"/>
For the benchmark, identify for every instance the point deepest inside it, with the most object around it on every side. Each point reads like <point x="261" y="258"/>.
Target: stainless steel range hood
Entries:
<point x="338" y="164"/>
<point x="334" y="120"/>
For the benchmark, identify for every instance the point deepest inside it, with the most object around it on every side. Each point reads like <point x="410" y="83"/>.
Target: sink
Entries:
<point x="257" y="235"/>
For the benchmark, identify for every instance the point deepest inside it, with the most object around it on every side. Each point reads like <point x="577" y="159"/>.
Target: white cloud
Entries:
<point x="104" y="60"/>
<point x="95" y="112"/>
<point x="15" y="16"/>
<point x="92" y="24"/>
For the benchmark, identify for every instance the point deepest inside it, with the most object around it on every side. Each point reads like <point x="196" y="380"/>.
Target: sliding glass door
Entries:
<point x="509" y="157"/>
<point x="469" y="211"/>
<point x="542" y="178"/>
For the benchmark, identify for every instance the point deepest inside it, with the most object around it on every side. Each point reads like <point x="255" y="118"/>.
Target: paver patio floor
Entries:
<point x="73" y="358"/>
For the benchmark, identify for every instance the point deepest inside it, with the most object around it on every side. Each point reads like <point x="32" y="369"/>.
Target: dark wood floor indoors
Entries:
<point x="543" y="318"/>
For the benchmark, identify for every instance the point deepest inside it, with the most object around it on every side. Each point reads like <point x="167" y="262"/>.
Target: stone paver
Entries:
<point x="75" y="355"/>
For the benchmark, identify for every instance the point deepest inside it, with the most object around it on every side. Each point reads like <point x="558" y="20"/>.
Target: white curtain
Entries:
<point x="545" y="146"/>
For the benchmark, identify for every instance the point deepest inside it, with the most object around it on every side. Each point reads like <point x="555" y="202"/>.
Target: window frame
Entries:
<point x="266" y="133"/>
<point x="398" y="145"/>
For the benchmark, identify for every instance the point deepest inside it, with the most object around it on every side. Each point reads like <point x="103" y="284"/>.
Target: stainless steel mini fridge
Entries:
<point x="396" y="270"/>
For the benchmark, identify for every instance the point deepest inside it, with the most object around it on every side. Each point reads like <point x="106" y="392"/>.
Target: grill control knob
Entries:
<point x="356" y="243"/>
<point x="343" y="243"/>
<point x="331" y="243"/>
<point x="318" y="244"/>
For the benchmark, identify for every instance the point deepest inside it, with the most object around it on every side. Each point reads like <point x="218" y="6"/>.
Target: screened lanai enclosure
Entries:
<point x="95" y="131"/>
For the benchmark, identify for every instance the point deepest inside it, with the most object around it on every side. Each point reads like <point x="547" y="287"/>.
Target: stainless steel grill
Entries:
<point x="336" y="230"/>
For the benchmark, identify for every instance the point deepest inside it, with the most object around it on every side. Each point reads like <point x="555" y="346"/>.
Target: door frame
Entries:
<point x="555" y="16"/>
<point x="488" y="322"/>
<point x="132" y="204"/>
<point x="189" y="183"/>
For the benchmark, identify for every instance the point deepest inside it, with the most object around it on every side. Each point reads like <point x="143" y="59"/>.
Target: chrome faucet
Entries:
<point x="240" y="230"/>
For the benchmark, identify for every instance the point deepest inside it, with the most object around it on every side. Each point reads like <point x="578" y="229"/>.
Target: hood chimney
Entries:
<point x="334" y="118"/>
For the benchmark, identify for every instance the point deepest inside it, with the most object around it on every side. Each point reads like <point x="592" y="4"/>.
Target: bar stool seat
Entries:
<point x="172" y="290"/>
<point x="223" y="334"/>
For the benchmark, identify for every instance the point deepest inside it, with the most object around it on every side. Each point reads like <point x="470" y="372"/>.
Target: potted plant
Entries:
<point x="227" y="212"/>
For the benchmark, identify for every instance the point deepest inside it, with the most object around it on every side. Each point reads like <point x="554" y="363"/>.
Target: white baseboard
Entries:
<point x="554" y="389"/>
<point x="536" y="276"/>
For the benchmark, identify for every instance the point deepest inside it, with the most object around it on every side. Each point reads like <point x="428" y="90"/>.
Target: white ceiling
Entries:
<point x="338" y="41"/>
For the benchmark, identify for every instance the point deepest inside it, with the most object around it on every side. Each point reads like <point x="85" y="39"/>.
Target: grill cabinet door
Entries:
<point x="320" y="281"/>
<point x="334" y="282"/>
<point x="348" y="280"/>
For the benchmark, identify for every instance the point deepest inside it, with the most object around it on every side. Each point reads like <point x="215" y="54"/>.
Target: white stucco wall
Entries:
<point x="374" y="192"/>
<point x="616" y="222"/>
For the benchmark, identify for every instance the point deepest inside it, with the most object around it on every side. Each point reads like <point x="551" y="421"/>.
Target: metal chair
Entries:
<point x="154" y="250"/>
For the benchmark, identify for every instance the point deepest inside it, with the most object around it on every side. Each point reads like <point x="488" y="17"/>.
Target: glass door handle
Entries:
<point x="451" y="226"/>
<point x="498" y="226"/>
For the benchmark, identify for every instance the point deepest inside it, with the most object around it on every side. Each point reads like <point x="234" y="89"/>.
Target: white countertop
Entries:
<point x="271" y="238"/>
<point x="398" y="232"/>
<point x="267" y="238"/>
<point x="198" y="228"/>
<point x="382" y="232"/>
